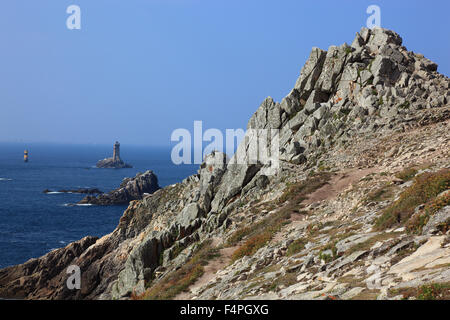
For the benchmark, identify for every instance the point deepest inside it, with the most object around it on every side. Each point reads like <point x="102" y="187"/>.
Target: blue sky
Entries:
<point x="138" y="69"/>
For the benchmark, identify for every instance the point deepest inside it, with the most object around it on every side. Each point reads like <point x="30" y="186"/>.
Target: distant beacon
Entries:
<point x="25" y="156"/>
<point x="116" y="152"/>
<point x="115" y="161"/>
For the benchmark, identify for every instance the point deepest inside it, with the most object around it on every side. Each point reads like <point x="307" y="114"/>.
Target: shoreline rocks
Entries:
<point x="81" y="191"/>
<point x="109" y="163"/>
<point x="130" y="189"/>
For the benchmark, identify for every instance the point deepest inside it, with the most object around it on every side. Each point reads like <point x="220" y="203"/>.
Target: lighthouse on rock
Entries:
<point x="116" y="152"/>
<point x="115" y="161"/>
<point x="25" y="156"/>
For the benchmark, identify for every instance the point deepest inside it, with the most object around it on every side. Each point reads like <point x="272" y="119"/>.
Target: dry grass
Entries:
<point x="406" y="174"/>
<point x="434" y="291"/>
<point x="259" y="234"/>
<point x="295" y="247"/>
<point x="424" y="190"/>
<point x="298" y="192"/>
<point x="180" y="280"/>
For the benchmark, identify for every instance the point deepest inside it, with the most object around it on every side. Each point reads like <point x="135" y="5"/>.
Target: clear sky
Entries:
<point x="138" y="69"/>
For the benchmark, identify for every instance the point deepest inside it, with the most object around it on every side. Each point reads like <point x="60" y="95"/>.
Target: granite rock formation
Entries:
<point x="363" y="134"/>
<point x="130" y="189"/>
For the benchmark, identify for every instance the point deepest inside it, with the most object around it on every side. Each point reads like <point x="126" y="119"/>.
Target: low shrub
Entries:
<point x="180" y="280"/>
<point x="424" y="189"/>
<point x="406" y="174"/>
<point x="295" y="247"/>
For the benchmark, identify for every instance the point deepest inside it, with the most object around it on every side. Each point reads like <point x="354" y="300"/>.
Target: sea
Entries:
<point x="33" y="223"/>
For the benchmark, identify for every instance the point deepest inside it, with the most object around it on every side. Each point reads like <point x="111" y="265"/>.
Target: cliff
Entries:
<point x="359" y="208"/>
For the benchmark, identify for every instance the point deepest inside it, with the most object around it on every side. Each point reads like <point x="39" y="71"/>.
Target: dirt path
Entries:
<point x="210" y="270"/>
<point x="338" y="184"/>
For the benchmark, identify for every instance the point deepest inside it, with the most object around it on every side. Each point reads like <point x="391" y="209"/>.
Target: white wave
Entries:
<point x="53" y="192"/>
<point x="5" y="179"/>
<point x="68" y="205"/>
<point x="77" y="204"/>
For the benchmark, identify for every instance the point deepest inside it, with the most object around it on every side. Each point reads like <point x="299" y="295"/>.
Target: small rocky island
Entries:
<point x="115" y="162"/>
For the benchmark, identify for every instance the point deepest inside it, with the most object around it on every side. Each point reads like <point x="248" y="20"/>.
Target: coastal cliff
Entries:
<point x="359" y="208"/>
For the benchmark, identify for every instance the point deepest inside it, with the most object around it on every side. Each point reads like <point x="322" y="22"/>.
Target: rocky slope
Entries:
<point x="359" y="208"/>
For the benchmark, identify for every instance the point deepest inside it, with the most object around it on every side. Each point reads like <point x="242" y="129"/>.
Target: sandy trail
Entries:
<point x="210" y="270"/>
<point x="337" y="184"/>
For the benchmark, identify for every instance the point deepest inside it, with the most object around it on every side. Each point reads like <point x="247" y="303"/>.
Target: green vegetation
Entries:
<point x="252" y="245"/>
<point x="416" y="223"/>
<point x="259" y="234"/>
<point x="406" y="174"/>
<point x="404" y="105"/>
<point x="328" y="257"/>
<point x="380" y="194"/>
<point x="423" y="191"/>
<point x="295" y="247"/>
<point x="380" y="101"/>
<point x="285" y="280"/>
<point x="179" y="280"/>
<point x="348" y="50"/>
<point x="434" y="291"/>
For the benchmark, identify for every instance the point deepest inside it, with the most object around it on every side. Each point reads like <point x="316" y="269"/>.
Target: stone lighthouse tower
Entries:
<point x="115" y="161"/>
<point x="116" y="153"/>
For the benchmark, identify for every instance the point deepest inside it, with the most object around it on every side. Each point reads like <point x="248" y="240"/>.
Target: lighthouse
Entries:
<point x="116" y="152"/>
<point x="115" y="161"/>
<point x="25" y="156"/>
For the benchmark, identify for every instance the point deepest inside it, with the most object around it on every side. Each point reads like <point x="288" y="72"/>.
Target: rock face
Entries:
<point x="130" y="189"/>
<point x="357" y="116"/>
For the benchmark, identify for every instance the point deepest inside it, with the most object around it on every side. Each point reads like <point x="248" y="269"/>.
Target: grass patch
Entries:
<point x="251" y="245"/>
<point x="416" y="223"/>
<point x="434" y="291"/>
<point x="298" y="192"/>
<point x="326" y="256"/>
<point x="406" y="174"/>
<point x="379" y="194"/>
<point x="424" y="189"/>
<point x="295" y="247"/>
<point x="180" y="280"/>
<point x="285" y="280"/>
<point x="259" y="234"/>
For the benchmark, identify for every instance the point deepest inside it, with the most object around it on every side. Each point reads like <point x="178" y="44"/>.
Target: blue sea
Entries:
<point x="33" y="223"/>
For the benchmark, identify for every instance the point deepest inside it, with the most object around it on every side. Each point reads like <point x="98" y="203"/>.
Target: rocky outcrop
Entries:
<point x="110" y="163"/>
<point x="130" y="189"/>
<point x="42" y="277"/>
<point x="360" y="112"/>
